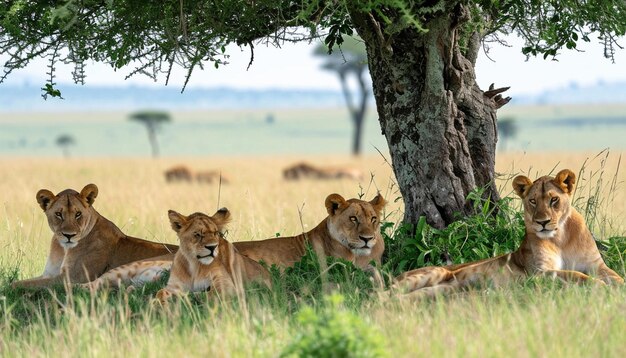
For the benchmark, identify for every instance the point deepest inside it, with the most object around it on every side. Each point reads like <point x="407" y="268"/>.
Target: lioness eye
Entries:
<point x="353" y="219"/>
<point x="78" y="215"/>
<point x="373" y="219"/>
<point x="197" y="235"/>
<point x="59" y="215"/>
<point x="554" y="200"/>
<point x="532" y="201"/>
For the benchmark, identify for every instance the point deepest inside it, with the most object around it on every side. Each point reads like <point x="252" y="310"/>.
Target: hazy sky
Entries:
<point x="293" y="66"/>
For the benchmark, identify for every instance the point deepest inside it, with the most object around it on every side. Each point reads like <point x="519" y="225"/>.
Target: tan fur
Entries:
<point x="340" y="235"/>
<point x="134" y="274"/>
<point x="206" y="260"/>
<point x="178" y="173"/>
<point x="85" y="244"/>
<point x="304" y="170"/>
<point x="557" y="244"/>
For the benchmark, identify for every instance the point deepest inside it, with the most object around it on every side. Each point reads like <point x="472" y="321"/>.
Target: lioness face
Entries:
<point x="199" y="234"/>
<point x="69" y="213"/>
<point x="355" y="223"/>
<point x="546" y="202"/>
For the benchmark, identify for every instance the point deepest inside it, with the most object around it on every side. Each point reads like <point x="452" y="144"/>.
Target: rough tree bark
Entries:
<point x="440" y="126"/>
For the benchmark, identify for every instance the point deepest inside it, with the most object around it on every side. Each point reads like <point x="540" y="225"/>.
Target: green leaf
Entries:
<point x="49" y="90"/>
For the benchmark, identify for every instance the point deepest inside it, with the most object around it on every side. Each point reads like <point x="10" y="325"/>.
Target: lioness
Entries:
<point x="557" y="243"/>
<point x="85" y="244"/>
<point x="351" y="231"/>
<point x="304" y="170"/>
<point x="206" y="260"/>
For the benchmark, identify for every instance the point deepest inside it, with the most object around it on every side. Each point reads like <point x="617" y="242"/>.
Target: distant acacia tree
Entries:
<point x="350" y="60"/>
<point x="65" y="141"/>
<point x="153" y="121"/>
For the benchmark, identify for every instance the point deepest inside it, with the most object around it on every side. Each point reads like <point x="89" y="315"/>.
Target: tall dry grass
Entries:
<point x="532" y="320"/>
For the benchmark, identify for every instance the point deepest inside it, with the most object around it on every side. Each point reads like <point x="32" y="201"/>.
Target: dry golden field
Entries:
<point x="530" y="321"/>
<point x="134" y="194"/>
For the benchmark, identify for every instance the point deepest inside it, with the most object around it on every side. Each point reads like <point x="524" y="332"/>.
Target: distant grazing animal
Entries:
<point x="206" y="260"/>
<point x="84" y="243"/>
<point x="557" y="244"/>
<point x="178" y="173"/>
<point x="307" y="171"/>
<point x="351" y="231"/>
<point x="211" y="176"/>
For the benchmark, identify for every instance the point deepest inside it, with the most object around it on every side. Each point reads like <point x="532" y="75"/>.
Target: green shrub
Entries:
<point x="307" y="281"/>
<point x="495" y="229"/>
<point x="613" y="251"/>
<point x="333" y="331"/>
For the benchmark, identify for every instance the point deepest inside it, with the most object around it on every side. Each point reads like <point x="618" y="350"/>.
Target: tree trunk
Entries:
<point x="440" y="127"/>
<point x="356" y="139"/>
<point x="66" y="151"/>
<point x="153" y="141"/>
<point x="357" y="114"/>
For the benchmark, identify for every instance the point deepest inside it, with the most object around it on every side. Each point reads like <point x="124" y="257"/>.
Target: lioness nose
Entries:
<point x="543" y="222"/>
<point x="210" y="247"/>
<point x="69" y="236"/>
<point x="365" y="239"/>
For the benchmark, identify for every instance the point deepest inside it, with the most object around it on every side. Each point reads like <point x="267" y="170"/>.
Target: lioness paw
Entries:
<point x="163" y="296"/>
<point x="91" y="286"/>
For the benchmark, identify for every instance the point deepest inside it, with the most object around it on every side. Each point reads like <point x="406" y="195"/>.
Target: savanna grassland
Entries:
<point x="534" y="318"/>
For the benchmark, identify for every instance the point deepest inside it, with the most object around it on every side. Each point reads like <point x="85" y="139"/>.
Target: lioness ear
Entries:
<point x="334" y="202"/>
<point x="566" y="179"/>
<point x="378" y="203"/>
<point x="521" y="184"/>
<point x="176" y="220"/>
<point x="89" y="192"/>
<point x="44" y="198"/>
<point x="221" y="217"/>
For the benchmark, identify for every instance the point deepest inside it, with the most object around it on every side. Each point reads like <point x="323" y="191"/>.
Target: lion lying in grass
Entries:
<point x="557" y="244"/>
<point x="84" y="243"/>
<point x="351" y="231"/>
<point x="204" y="261"/>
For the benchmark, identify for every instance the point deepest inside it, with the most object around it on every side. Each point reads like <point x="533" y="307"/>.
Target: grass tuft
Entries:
<point x="330" y="330"/>
<point x="494" y="230"/>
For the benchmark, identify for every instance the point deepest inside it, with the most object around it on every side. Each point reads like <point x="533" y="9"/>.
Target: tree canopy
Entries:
<point x="439" y="125"/>
<point x="152" y="118"/>
<point x="153" y="36"/>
